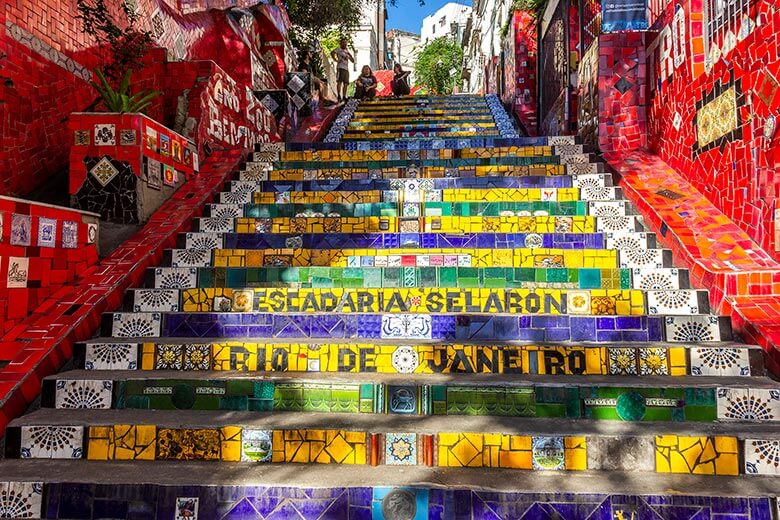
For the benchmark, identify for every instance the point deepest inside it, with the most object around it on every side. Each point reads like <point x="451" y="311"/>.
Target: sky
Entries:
<point x="408" y="15"/>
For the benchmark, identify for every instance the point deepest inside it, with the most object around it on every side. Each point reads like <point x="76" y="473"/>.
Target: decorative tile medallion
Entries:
<point x="21" y="499"/>
<point x="21" y="230"/>
<point x="18" y="272"/>
<point x="111" y="356"/>
<point x="406" y="326"/>
<point x="153" y="174"/>
<point x="105" y="135"/>
<point x="548" y="453"/>
<point x="401" y="449"/>
<point x="762" y="457"/>
<point x="70" y="230"/>
<point x="187" y="508"/>
<point x="256" y="445"/>
<point x="81" y="138"/>
<point x="104" y="172"/>
<point x="83" y="393"/>
<point x="51" y="442"/>
<point x="47" y="232"/>
<point x="127" y="137"/>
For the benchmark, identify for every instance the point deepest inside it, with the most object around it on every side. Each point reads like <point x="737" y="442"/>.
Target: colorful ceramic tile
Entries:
<point x="153" y="173"/>
<point x="401" y="449"/>
<point x="165" y="145"/>
<point x="168" y="175"/>
<point x="186" y="508"/>
<point x="175" y="277"/>
<point x="70" y="230"/>
<point x="136" y="325"/>
<point x="92" y="233"/>
<point x="104" y="171"/>
<point x="748" y="404"/>
<point x="21" y="230"/>
<point x="256" y="445"/>
<point x="548" y="453"/>
<point x="21" y="499"/>
<point x="81" y="138"/>
<point x="105" y="135"/>
<point x="47" y="232"/>
<point x="111" y="356"/>
<point x="151" y="300"/>
<point x="406" y="326"/>
<point x="18" y="272"/>
<point x="242" y="301"/>
<point x="719" y="361"/>
<point x="762" y="457"/>
<point x="127" y="137"/>
<point x="150" y="139"/>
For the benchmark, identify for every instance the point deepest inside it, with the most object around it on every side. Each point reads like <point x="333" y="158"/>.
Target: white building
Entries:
<point x="369" y="39"/>
<point x="482" y="40"/>
<point x="403" y="47"/>
<point x="449" y="20"/>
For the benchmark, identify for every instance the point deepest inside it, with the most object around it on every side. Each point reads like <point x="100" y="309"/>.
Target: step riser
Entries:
<point x="611" y="403"/>
<point x="645" y="454"/>
<point x="420" y="300"/>
<point x="460" y="327"/>
<point x="398" y="277"/>
<point x="453" y="359"/>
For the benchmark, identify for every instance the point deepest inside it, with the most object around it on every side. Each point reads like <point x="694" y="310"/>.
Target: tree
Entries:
<point x="438" y="65"/>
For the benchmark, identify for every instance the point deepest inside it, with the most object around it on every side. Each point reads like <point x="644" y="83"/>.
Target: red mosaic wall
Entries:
<point x="525" y="47"/>
<point x="47" y="61"/>
<point x="42" y="248"/>
<point x="713" y="109"/>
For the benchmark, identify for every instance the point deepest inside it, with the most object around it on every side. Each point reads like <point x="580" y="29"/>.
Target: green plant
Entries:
<point x="125" y="45"/>
<point x="121" y="100"/>
<point x="438" y="65"/>
<point x="533" y="6"/>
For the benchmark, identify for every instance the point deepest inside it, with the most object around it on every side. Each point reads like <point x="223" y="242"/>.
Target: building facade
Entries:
<point x="403" y="47"/>
<point x="482" y="44"/>
<point x="369" y="39"/>
<point x="449" y="20"/>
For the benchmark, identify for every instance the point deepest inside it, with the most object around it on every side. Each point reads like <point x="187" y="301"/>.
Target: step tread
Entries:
<point x="379" y="423"/>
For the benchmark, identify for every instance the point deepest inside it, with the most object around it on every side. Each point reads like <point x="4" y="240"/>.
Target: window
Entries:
<point x="433" y="29"/>
<point x="442" y="21"/>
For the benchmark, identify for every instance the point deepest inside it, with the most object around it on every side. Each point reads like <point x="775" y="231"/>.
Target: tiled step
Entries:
<point x="487" y="173"/>
<point x="366" y="180"/>
<point x="638" y="248"/>
<point x="588" y="193"/>
<point x="403" y="327"/>
<point x="422" y="299"/>
<point x="372" y="277"/>
<point x="448" y="162"/>
<point x="290" y="253"/>
<point x="242" y="437"/>
<point x="425" y="224"/>
<point x="421" y="357"/>
<point x="651" y="399"/>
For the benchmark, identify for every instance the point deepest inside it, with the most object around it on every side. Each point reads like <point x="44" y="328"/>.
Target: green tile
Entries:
<point x="590" y="278"/>
<point x="448" y="276"/>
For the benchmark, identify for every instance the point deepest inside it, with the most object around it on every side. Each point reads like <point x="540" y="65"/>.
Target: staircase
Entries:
<point x="476" y="323"/>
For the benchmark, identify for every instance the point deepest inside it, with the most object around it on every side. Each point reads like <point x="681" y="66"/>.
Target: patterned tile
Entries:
<point x="139" y="324"/>
<point x="77" y="393"/>
<point x="762" y="457"/>
<point x="111" y="356"/>
<point x="155" y="300"/>
<point x="175" y="277"/>
<point x="748" y="404"/>
<point x="692" y="329"/>
<point x="21" y="499"/>
<point x="719" y="361"/>
<point x="406" y="326"/>
<point x="52" y="442"/>
<point x="401" y="449"/>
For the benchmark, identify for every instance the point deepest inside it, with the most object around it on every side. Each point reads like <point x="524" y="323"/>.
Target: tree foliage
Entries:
<point x="438" y="65"/>
<point x="126" y="45"/>
<point x="311" y="19"/>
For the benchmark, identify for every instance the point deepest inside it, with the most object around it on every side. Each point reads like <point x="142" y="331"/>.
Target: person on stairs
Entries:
<point x="365" y="85"/>
<point x="342" y="57"/>
<point x="400" y="83"/>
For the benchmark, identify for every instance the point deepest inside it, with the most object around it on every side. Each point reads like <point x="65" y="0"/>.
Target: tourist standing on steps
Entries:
<point x="400" y="81"/>
<point x="365" y="85"/>
<point x="342" y="57"/>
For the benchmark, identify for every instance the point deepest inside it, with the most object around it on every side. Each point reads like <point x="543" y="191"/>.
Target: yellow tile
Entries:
<point x="575" y="453"/>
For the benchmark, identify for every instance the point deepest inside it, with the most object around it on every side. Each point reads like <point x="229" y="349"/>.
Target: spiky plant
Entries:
<point x="121" y="100"/>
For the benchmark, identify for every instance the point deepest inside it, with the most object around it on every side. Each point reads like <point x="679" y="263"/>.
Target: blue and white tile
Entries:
<point x="225" y="210"/>
<point x="692" y="329"/>
<point x="762" y="457"/>
<point x="406" y="326"/>
<point x="599" y="193"/>
<point x="681" y="301"/>
<point x="216" y="224"/>
<point x="175" y="277"/>
<point x="401" y="449"/>
<point x="748" y="404"/>
<point x="190" y="258"/>
<point x="203" y="241"/>
<point x="591" y="180"/>
<point x="51" y="442"/>
<point x="620" y="224"/>
<point x="136" y="324"/>
<point x="155" y="300"/>
<point x="607" y="208"/>
<point x="720" y="361"/>
<point x="21" y="499"/>
<point x="656" y="279"/>
<point x="111" y="356"/>
<point x="641" y="258"/>
<point x="83" y="393"/>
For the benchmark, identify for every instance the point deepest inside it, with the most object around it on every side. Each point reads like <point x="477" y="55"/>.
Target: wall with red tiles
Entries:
<point x="42" y="248"/>
<point x="525" y="47"/>
<point x="713" y="108"/>
<point x="47" y="61"/>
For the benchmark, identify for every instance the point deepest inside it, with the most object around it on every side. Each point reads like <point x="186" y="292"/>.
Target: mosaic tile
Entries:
<point x="762" y="457"/>
<point x="70" y="232"/>
<point x="696" y="455"/>
<point x="111" y="356"/>
<point x="47" y="232"/>
<point x="21" y="499"/>
<point x="105" y="135"/>
<point x="401" y="449"/>
<point x="692" y="329"/>
<point x="186" y="508"/>
<point x="256" y="445"/>
<point x="51" y="442"/>
<point x="719" y="361"/>
<point x="77" y="393"/>
<point x="155" y="300"/>
<point x="18" y="272"/>
<point x="547" y="453"/>
<point x="21" y="230"/>
<point x="104" y="172"/>
<point x="175" y="277"/>
<point x="406" y="326"/>
<point x="748" y="404"/>
<point x="139" y="324"/>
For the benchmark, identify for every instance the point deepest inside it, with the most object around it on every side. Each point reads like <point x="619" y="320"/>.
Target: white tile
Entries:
<point x="21" y="499"/>
<point x="619" y="224"/>
<point x="607" y="208"/>
<point x="655" y="279"/>
<point x="596" y="193"/>
<point x="51" y="442"/>
<point x="225" y="210"/>
<point x="594" y="180"/>
<point x="111" y="356"/>
<point x="216" y="224"/>
<point x="720" y="361"/>
<point x="555" y="140"/>
<point x="190" y="258"/>
<point x="641" y="258"/>
<point x="626" y="240"/>
<point x="155" y="300"/>
<point x="681" y="301"/>
<point x="406" y="326"/>
<point x="175" y="277"/>
<point x="762" y="456"/>
<point x="203" y="241"/>
<point x="748" y="404"/>
<point x="692" y="329"/>
<point x="235" y="197"/>
<point x="136" y="325"/>
<point x="83" y="393"/>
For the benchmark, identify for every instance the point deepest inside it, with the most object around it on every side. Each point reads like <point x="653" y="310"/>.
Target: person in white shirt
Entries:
<point x="342" y="57"/>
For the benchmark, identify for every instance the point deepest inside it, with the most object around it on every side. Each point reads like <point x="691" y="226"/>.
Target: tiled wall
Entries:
<point x="124" y="167"/>
<point x="525" y="34"/>
<point x="713" y="109"/>
<point x="73" y="500"/>
<point x="42" y="248"/>
<point x="47" y="61"/>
